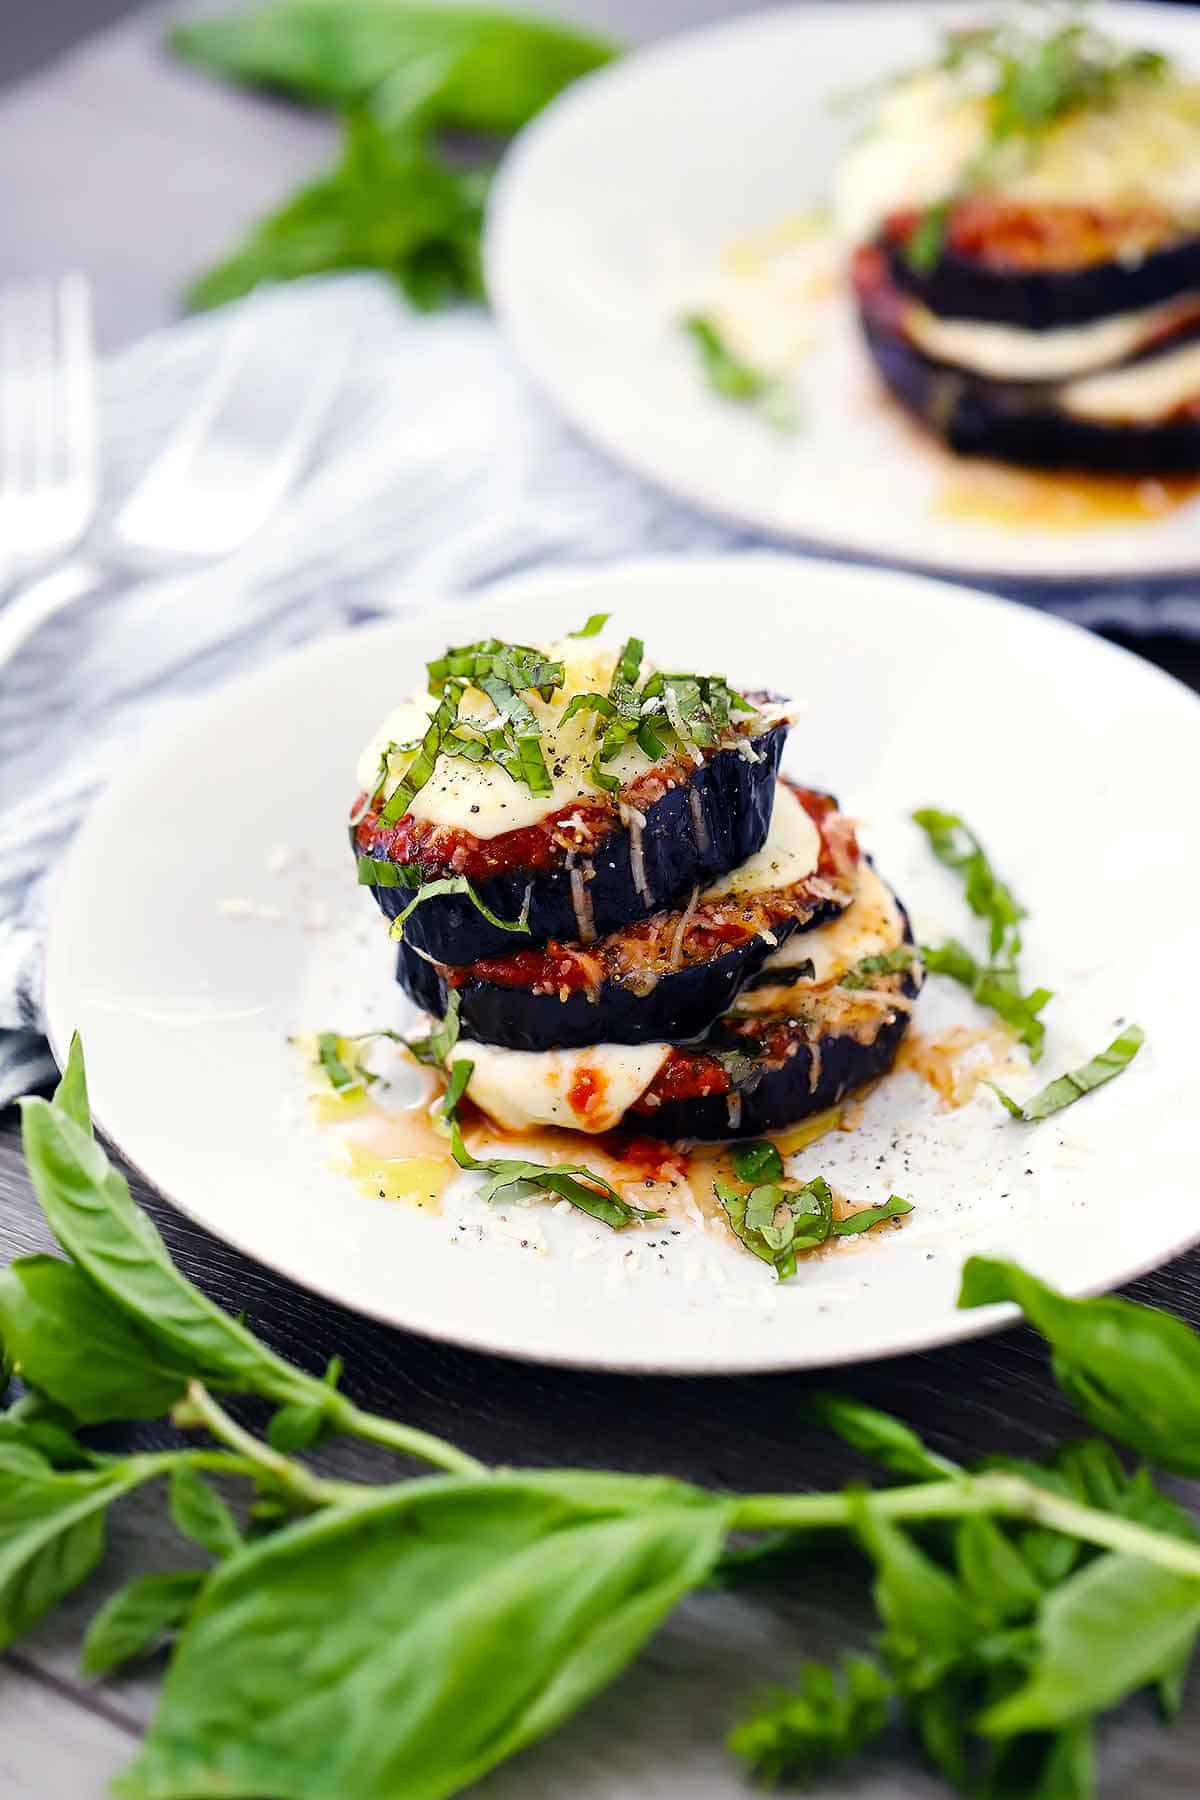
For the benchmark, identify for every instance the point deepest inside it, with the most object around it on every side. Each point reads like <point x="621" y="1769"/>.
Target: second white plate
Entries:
<point x="620" y="201"/>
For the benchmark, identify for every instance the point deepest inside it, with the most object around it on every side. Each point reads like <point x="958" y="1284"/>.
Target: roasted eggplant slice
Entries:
<point x="667" y="978"/>
<point x="761" y="1072"/>
<point x="592" y="866"/>
<point x="1043" y="268"/>
<point x="1021" y="422"/>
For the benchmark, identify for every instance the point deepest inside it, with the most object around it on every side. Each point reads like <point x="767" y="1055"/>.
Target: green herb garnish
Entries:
<point x="458" y="884"/>
<point x="995" y="983"/>
<point x="756" y="1161"/>
<point x="435" y="1049"/>
<point x="886" y="962"/>
<point x="1019" y="1600"/>
<point x="585" y="1190"/>
<point x="594" y="626"/>
<point x="1066" y="1089"/>
<point x="778" y="1223"/>
<point x="1031" y="81"/>
<point x="401" y="74"/>
<point x="730" y="376"/>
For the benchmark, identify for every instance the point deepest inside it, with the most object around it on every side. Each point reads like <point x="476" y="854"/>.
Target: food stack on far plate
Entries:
<point x="1026" y="222"/>
<point x="597" y="876"/>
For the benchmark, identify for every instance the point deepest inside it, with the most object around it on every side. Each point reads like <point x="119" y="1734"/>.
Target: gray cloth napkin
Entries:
<point x="440" y="469"/>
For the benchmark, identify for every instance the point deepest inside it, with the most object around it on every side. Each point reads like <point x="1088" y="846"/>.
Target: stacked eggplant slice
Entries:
<point x="598" y="877"/>
<point x="1024" y="220"/>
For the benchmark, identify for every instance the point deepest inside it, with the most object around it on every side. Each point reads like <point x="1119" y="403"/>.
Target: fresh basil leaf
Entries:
<point x="51" y="1530"/>
<point x="1132" y="1371"/>
<point x="990" y="899"/>
<point x="925" y="245"/>
<point x="35" y="1423"/>
<point x="301" y="1426"/>
<point x="734" y="379"/>
<point x="458" y="884"/>
<point x="775" y="1223"/>
<point x="88" y="1208"/>
<point x="1066" y="1089"/>
<point x="996" y="1577"/>
<point x="389" y="204"/>
<point x="70" y="1341"/>
<point x="995" y="987"/>
<point x="200" y="1513"/>
<point x="495" y="69"/>
<point x="441" y="725"/>
<point x="464" y="1619"/>
<point x="793" y="1735"/>
<point x="139" y="1618"/>
<point x="757" y="1161"/>
<point x="1108" y="1630"/>
<point x="594" y="626"/>
<point x="71" y="1094"/>
<point x="877" y="1434"/>
<point x="867" y="1217"/>
<point x="1057" y="1767"/>
<point x="931" y="1625"/>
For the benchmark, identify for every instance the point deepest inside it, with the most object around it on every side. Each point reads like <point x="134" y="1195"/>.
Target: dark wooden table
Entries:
<point x="141" y="172"/>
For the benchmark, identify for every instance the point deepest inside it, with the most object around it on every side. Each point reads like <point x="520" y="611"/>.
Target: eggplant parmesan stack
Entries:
<point x="1024" y="227"/>
<point x="596" y="876"/>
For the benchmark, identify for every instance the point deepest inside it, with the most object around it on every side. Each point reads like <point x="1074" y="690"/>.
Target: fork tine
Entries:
<point x="47" y="417"/>
<point x="78" y="367"/>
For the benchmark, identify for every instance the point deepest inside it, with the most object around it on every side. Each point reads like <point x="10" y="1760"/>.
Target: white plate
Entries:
<point x="615" y="207"/>
<point x="1065" y="753"/>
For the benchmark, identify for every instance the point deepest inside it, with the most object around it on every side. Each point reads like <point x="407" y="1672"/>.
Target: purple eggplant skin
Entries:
<point x="1018" y="422"/>
<point x="680" y="1007"/>
<point x="780" y="1095"/>
<point x="964" y="287"/>
<point x="735" y="798"/>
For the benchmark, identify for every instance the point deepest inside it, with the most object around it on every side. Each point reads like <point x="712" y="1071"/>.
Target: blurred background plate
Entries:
<point x="208" y="911"/>
<point x="617" y="204"/>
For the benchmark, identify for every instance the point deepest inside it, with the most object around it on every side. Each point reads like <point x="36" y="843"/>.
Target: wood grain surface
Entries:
<point x="141" y="172"/>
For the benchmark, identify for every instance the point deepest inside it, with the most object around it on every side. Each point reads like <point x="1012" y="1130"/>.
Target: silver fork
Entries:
<point x="215" y="481"/>
<point x="47" y="422"/>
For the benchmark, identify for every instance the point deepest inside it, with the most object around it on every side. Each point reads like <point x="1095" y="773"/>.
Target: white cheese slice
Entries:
<point x="1141" y="150"/>
<point x="1140" y="393"/>
<point x="583" y="1090"/>
<point x="1008" y="353"/>
<point x="870" y="926"/>
<point x="792" y="851"/>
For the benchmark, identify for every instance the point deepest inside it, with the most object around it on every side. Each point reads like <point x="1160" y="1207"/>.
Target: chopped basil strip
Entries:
<point x="989" y="898"/>
<point x="734" y="379"/>
<point x="339" y="1055"/>
<point x="993" y="987"/>
<point x="586" y="1190"/>
<point x="377" y="871"/>
<point x="457" y="884"/>
<point x="868" y="1216"/>
<point x="423" y="763"/>
<point x="443" y="1036"/>
<point x="594" y="626"/>
<point x="757" y="1161"/>
<point x="888" y="962"/>
<point x="1064" y="1090"/>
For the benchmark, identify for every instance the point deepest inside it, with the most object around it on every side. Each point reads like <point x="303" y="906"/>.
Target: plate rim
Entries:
<point x="515" y="591"/>
<point x="501" y="281"/>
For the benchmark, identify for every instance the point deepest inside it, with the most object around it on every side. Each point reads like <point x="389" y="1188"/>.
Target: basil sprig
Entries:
<point x="466" y="1614"/>
<point x="1075" y="1083"/>
<point x="457" y="884"/>
<point x="435" y="1049"/>
<point x="512" y="1176"/>
<point x="996" y="982"/>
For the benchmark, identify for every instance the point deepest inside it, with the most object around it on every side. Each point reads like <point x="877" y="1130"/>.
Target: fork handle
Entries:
<point x="32" y="605"/>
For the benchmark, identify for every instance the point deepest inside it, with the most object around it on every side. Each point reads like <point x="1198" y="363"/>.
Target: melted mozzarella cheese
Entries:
<point x="480" y="797"/>
<point x="1143" y="150"/>
<point x="870" y="926"/>
<point x="1008" y="353"/>
<point x="1140" y="393"/>
<point x="583" y="1090"/>
<point x="792" y="851"/>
